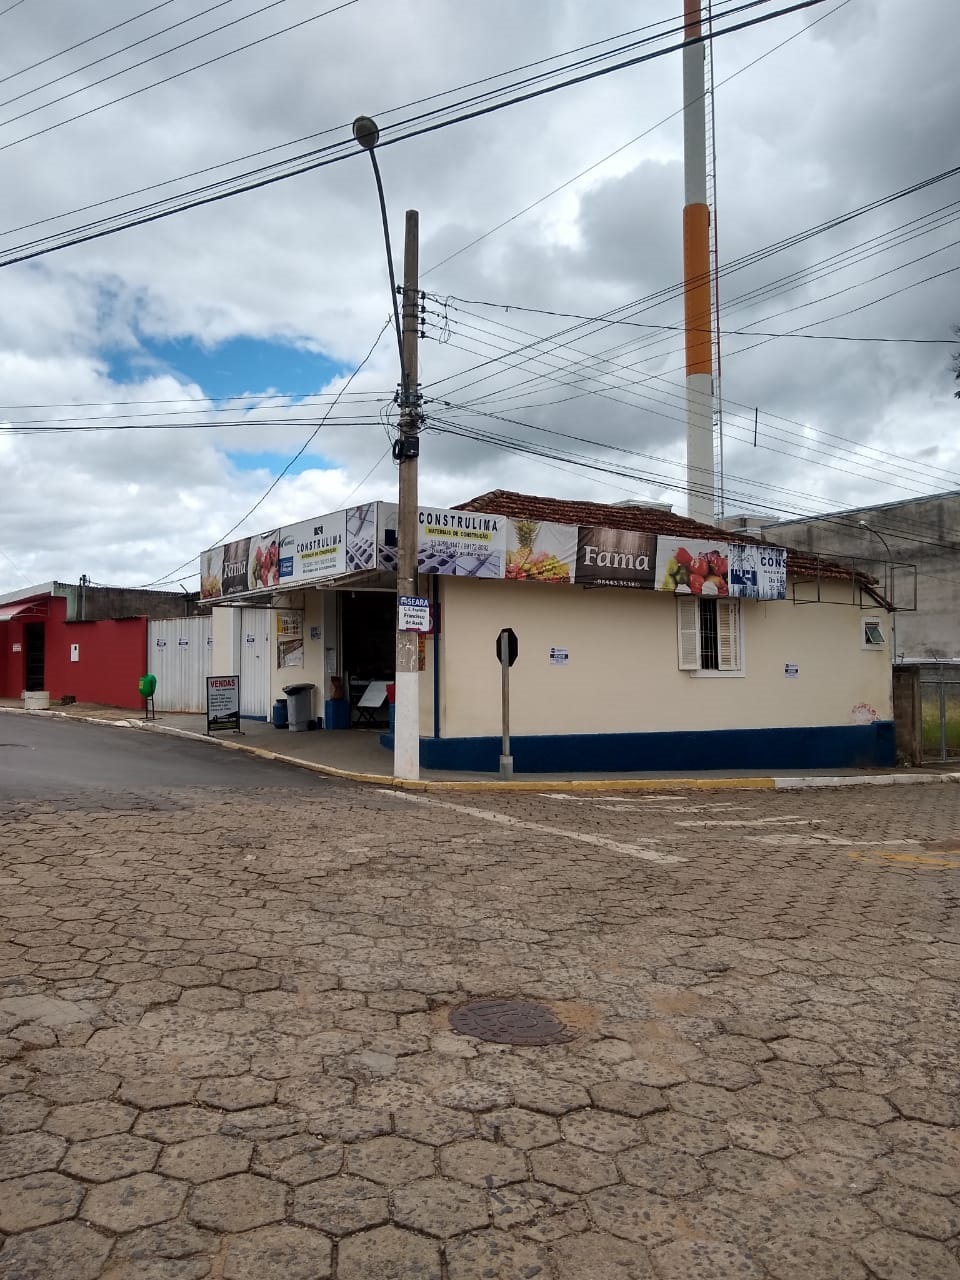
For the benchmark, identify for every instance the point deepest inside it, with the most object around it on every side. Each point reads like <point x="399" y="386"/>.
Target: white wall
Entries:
<point x="311" y="603"/>
<point x="622" y="676"/>
<point x="225" y="624"/>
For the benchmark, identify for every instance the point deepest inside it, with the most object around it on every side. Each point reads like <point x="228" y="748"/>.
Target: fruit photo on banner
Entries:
<point x="692" y="567"/>
<point x="538" y="552"/>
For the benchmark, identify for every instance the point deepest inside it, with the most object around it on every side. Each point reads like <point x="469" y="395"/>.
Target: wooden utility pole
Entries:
<point x="406" y="741"/>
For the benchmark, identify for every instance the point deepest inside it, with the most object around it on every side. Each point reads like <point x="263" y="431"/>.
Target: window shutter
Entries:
<point x="728" y="634"/>
<point x="688" y="634"/>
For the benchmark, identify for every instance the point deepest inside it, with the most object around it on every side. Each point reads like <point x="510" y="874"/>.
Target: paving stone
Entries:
<point x="707" y="1102"/>
<point x="68" y="1249"/>
<point x="829" y="1170"/>
<point x="390" y="1160"/>
<point x="90" y="1120"/>
<point x="553" y="1097"/>
<point x="795" y="1077"/>
<point x="726" y="1073"/>
<point x="751" y="1173"/>
<point x="176" y="1124"/>
<point x="572" y="1168"/>
<point x="238" y="1093"/>
<point x="237" y="1203"/>
<point x="149" y="1092"/>
<point x="29" y="1153"/>
<point x="20" y="1112"/>
<point x="351" y="1124"/>
<point x="601" y="1130"/>
<point x="894" y="1255"/>
<point x="765" y="1136"/>
<point x="689" y="1134"/>
<point x="439" y="1207"/>
<point x="594" y="1256"/>
<point x="627" y="1098"/>
<point x="844" y="1137"/>
<point x="707" y="1260"/>
<point x="86" y="1087"/>
<point x="848" y="1104"/>
<point x="634" y="1214"/>
<point x="767" y="1102"/>
<point x="481" y="1163"/>
<point x="340" y="1206"/>
<point x="928" y="1105"/>
<point x="494" y="1253"/>
<point x="37" y="1200"/>
<point x="278" y="1253"/>
<point x="137" y="1201"/>
<point x="800" y="1257"/>
<point x="271" y="1121"/>
<point x="917" y="1212"/>
<point x="670" y="1173"/>
<point x="116" y="1156"/>
<point x="436" y="1125"/>
<point x="298" y="1159"/>
<point x="939" y="1177"/>
<point x="475" y="1095"/>
<point x="206" y="1158"/>
<point x="928" y="1140"/>
<point x="315" y="1094"/>
<point x="809" y="1053"/>
<point x="519" y="1128"/>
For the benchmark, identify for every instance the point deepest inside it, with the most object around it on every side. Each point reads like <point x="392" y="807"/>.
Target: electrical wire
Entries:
<point x="14" y="255"/>
<point x="296" y="458"/>
<point x="10" y="8"/>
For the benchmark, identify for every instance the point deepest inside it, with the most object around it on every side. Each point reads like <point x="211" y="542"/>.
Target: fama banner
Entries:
<point x="615" y="558"/>
<point x="249" y="564"/>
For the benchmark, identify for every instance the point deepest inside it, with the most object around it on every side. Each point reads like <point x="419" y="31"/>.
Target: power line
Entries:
<point x="296" y="457"/>
<point x="66" y="240"/>
<point x="176" y="75"/>
<point x="10" y="8"/>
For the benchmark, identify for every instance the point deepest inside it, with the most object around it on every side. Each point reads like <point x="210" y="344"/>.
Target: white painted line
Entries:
<point x="582" y="837"/>
<point x="789" y="840"/>
<point x="869" y="780"/>
<point x="674" y="808"/>
<point x="560" y="795"/>
<point x="795" y="821"/>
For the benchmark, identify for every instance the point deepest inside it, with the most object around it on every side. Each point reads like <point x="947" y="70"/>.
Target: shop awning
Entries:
<point x="26" y="611"/>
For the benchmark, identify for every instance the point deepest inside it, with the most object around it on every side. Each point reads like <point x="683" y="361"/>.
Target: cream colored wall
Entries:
<point x="225" y="630"/>
<point x="312" y="670"/>
<point x="622" y="676"/>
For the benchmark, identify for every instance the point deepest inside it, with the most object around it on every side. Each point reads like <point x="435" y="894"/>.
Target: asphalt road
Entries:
<point x="41" y="757"/>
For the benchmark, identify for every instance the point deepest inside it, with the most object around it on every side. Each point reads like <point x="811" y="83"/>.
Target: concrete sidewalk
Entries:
<point x="356" y="755"/>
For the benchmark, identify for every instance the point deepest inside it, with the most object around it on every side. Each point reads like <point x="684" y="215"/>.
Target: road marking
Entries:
<point x="787" y="839"/>
<point x="582" y="837"/>
<point x="748" y="822"/>
<point x="942" y="859"/>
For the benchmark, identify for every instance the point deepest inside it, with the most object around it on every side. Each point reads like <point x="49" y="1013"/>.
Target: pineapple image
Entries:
<point x="524" y="562"/>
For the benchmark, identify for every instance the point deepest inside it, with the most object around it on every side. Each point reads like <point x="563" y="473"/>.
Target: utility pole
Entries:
<point x="406" y="449"/>
<point x="698" y="316"/>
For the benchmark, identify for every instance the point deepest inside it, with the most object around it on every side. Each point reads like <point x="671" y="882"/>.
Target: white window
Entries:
<point x="873" y="637"/>
<point x="708" y="636"/>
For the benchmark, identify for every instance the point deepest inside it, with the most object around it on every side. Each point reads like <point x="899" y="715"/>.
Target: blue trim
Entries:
<point x="864" y="746"/>
<point x="262" y="719"/>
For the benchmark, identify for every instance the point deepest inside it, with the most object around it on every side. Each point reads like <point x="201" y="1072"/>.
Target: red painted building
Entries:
<point x="82" y="642"/>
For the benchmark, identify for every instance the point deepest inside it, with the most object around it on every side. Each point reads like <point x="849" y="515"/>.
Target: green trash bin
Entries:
<point x="147" y="686"/>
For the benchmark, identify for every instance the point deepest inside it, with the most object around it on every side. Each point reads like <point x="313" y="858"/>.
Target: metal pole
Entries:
<point x="406" y="735"/>
<point x="506" y="759"/>
<point x="891" y="595"/>
<point x="698" y="319"/>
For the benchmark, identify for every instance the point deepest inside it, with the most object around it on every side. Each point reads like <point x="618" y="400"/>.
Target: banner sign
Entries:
<point x="540" y="552"/>
<point x="413" y="614"/>
<point x="758" y="572"/>
<point x="289" y="638"/>
<point x="362" y="537"/>
<point x="313" y="549"/>
<point x="691" y="566"/>
<point x="461" y="543"/>
<point x="223" y="703"/>
<point x="615" y="558"/>
<point x="249" y="564"/>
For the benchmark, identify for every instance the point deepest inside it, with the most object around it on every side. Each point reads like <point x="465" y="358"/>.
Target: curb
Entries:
<point x="584" y="785"/>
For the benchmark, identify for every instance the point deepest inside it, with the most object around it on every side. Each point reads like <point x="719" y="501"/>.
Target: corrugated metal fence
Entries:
<point x="180" y="655"/>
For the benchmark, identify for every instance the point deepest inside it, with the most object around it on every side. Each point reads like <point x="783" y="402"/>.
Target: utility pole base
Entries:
<point x="506" y="766"/>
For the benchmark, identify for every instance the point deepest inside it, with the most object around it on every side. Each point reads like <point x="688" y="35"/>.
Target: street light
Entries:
<point x="406" y="450"/>
<point x="893" y="611"/>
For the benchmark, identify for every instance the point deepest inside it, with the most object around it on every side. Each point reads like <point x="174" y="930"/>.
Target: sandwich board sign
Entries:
<point x="223" y="703"/>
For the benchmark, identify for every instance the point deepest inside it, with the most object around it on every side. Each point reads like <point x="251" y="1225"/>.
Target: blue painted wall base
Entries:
<point x="855" y="746"/>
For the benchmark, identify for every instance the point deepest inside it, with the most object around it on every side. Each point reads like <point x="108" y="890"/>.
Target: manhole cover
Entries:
<point x="510" y="1022"/>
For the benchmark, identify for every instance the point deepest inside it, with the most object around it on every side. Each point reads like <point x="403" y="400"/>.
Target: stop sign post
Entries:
<point x="507" y="650"/>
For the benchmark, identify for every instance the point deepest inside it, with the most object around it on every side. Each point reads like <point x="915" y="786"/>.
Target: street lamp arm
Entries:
<point x="404" y="378"/>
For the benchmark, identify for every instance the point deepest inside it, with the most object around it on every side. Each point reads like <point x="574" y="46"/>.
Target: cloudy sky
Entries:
<point x="155" y="382"/>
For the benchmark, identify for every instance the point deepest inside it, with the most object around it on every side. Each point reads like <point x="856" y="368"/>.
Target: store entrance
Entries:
<point x="368" y="629"/>
<point x="34" y="656"/>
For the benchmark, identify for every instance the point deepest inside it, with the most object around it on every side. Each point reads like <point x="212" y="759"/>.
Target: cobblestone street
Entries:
<point x="225" y="1048"/>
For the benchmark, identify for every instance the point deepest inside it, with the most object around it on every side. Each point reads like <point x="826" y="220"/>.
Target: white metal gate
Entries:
<point x="256" y="628"/>
<point x="181" y="657"/>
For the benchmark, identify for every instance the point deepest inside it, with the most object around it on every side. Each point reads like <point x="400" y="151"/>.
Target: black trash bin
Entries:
<point x="299" y="706"/>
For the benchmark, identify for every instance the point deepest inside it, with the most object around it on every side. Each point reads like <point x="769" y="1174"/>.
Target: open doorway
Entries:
<point x="368" y="629"/>
<point x="34" y="655"/>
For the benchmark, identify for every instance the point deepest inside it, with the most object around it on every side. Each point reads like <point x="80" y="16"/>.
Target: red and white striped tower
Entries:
<point x="696" y="274"/>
